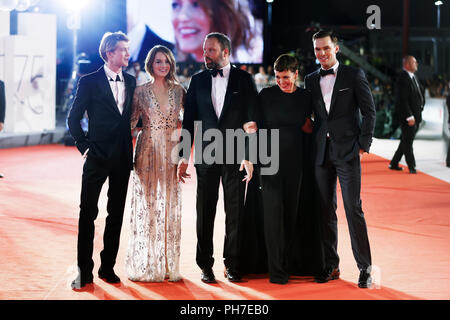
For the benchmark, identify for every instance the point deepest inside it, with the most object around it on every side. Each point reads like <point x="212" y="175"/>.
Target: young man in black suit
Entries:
<point x="340" y="93"/>
<point x="221" y="97"/>
<point x="106" y="96"/>
<point x="408" y="110"/>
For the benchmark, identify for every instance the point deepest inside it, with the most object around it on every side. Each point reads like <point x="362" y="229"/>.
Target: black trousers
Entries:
<point x="406" y="146"/>
<point x="208" y="180"/>
<point x="281" y="196"/>
<point x="349" y="174"/>
<point x="95" y="173"/>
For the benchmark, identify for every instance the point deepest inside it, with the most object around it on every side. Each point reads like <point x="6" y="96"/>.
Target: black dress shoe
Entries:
<point x="365" y="280"/>
<point x="412" y="170"/>
<point x="109" y="276"/>
<point x="279" y="280"/>
<point x="396" y="167"/>
<point x="232" y="276"/>
<point x="328" y="274"/>
<point x="82" y="281"/>
<point x="208" y="276"/>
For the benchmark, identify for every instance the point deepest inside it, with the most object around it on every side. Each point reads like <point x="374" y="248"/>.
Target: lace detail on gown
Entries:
<point x="155" y="233"/>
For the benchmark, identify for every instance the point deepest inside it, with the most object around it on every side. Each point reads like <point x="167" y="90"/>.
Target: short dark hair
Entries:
<point x="286" y="62"/>
<point x="325" y="33"/>
<point x="223" y="39"/>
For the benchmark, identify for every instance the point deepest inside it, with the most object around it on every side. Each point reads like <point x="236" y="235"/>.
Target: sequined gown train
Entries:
<point x="155" y="232"/>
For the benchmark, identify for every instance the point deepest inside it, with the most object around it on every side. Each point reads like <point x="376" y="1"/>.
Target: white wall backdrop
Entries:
<point x="4" y="31"/>
<point x="28" y="68"/>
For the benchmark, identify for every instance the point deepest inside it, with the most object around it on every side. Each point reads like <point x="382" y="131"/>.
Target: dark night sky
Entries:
<point x="103" y="15"/>
<point x="353" y="12"/>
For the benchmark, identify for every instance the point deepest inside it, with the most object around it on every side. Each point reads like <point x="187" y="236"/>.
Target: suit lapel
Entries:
<point x="232" y="81"/>
<point x="205" y="93"/>
<point x="316" y="81"/>
<point x="128" y="96"/>
<point x="337" y="85"/>
<point x="103" y="83"/>
<point x="416" y="86"/>
<point x="411" y="82"/>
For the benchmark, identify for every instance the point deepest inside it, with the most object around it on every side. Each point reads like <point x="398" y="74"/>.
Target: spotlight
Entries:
<point x="72" y="5"/>
<point x="438" y="3"/>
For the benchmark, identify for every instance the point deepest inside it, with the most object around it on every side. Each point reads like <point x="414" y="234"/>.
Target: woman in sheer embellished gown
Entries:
<point x="155" y="232"/>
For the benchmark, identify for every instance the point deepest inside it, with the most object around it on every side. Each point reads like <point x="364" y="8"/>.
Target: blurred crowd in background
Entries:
<point x="383" y="91"/>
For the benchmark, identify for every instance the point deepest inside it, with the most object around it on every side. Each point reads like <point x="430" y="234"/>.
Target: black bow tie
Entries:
<point x="117" y="79"/>
<point x="323" y="73"/>
<point x="214" y="72"/>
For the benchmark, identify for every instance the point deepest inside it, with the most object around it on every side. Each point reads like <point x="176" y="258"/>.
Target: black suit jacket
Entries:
<point x="408" y="102"/>
<point x="349" y="132"/>
<point x="239" y="106"/>
<point x="107" y="127"/>
<point x="2" y="101"/>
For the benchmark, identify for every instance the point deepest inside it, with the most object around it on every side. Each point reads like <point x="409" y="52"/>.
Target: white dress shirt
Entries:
<point x="219" y="88"/>
<point x="327" y="85"/>
<point x="117" y="87"/>
<point x="410" y="73"/>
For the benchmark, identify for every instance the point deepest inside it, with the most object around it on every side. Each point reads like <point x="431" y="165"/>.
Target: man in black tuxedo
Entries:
<point x="408" y="110"/>
<point x="107" y="148"/>
<point x="222" y="97"/>
<point x="340" y="93"/>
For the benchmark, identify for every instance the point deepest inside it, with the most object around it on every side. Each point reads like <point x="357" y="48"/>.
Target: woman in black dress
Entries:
<point x="287" y="196"/>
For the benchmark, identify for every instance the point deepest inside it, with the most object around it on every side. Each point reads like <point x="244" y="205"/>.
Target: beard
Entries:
<point x="213" y="64"/>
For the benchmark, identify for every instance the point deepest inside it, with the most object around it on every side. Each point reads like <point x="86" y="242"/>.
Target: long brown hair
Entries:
<point x="229" y="17"/>
<point x="171" y="76"/>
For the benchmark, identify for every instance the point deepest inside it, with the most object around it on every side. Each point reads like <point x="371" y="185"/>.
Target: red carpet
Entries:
<point x="407" y="215"/>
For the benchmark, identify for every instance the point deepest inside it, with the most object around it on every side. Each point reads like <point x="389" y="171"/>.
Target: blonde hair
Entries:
<point x="171" y="76"/>
<point x="109" y="43"/>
